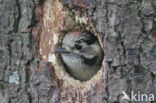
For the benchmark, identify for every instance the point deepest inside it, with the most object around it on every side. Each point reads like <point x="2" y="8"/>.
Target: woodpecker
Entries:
<point x="81" y="53"/>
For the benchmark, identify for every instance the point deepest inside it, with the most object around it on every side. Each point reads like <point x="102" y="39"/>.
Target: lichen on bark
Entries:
<point x="127" y="29"/>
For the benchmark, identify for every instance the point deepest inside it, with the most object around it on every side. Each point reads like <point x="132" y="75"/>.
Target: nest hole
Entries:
<point x="64" y="74"/>
<point x="75" y="22"/>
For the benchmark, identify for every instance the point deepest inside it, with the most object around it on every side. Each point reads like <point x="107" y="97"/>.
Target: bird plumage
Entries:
<point x="83" y="55"/>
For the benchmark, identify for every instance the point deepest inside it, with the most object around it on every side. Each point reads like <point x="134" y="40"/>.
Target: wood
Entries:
<point x="32" y="29"/>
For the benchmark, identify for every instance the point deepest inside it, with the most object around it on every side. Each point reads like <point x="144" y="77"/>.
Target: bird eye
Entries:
<point x="78" y="47"/>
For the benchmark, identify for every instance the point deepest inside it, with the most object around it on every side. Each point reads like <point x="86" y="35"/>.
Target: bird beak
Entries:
<point x="61" y="50"/>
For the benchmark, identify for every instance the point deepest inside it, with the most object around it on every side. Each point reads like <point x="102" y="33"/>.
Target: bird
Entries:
<point x="81" y="54"/>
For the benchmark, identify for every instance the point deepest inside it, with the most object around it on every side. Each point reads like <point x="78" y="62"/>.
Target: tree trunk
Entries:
<point x="30" y="30"/>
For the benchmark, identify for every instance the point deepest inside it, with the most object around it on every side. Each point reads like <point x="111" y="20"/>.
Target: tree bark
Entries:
<point x="30" y="30"/>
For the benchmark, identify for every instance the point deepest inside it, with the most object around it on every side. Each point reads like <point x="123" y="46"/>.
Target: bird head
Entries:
<point x="81" y="54"/>
<point x="80" y="44"/>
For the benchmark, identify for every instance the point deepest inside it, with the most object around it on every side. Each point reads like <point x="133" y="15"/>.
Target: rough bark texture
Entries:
<point x="127" y="29"/>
